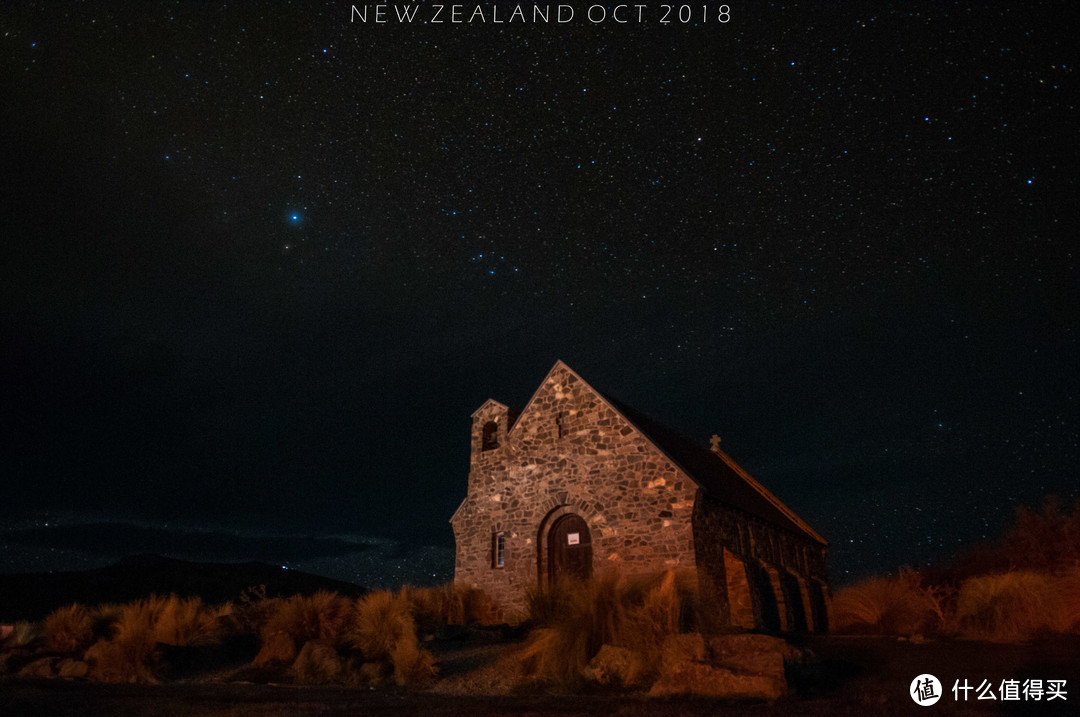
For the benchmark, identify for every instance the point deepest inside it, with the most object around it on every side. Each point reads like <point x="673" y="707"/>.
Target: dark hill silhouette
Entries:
<point x="32" y="596"/>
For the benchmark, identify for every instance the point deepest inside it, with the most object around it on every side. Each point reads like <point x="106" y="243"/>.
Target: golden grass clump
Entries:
<point x="576" y="618"/>
<point x="188" y="622"/>
<point x="131" y="654"/>
<point x="413" y="665"/>
<point x="1011" y="607"/>
<point x="449" y="604"/>
<point x="383" y="630"/>
<point x="381" y="620"/>
<point x="292" y="622"/>
<point x="894" y="605"/>
<point x="1069" y="588"/>
<point x="69" y="629"/>
<point x="661" y="609"/>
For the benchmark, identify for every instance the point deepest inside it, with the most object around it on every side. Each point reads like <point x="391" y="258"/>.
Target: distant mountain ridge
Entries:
<point x="32" y="596"/>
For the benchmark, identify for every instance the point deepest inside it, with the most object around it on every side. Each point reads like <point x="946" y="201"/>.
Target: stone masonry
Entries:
<point x="572" y="452"/>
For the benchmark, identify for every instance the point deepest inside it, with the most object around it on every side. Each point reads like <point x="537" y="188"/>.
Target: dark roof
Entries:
<point x="716" y="473"/>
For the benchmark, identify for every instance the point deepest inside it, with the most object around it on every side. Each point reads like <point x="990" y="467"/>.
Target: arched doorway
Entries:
<point x="569" y="548"/>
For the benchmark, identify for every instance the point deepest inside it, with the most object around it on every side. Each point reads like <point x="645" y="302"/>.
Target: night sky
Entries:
<point x="260" y="264"/>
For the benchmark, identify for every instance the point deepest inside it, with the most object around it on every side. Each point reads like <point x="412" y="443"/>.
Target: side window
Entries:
<point x="498" y="550"/>
<point x="490" y="436"/>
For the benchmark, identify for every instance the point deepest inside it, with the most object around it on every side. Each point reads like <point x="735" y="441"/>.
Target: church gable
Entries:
<point x="566" y="409"/>
<point x="568" y="460"/>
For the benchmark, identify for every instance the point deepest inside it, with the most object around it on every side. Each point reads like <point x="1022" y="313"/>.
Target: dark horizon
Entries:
<point x="262" y="265"/>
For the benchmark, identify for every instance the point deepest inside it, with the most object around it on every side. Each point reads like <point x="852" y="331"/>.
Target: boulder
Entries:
<point x="614" y="666"/>
<point x="750" y="654"/>
<point x="696" y="678"/>
<point x="751" y="642"/>
<point x="70" y="668"/>
<point x="676" y="649"/>
<point x="42" y="667"/>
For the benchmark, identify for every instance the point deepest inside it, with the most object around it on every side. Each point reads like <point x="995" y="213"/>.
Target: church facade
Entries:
<point x="577" y="484"/>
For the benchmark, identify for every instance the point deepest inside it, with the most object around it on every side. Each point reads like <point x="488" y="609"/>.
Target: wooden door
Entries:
<point x="569" y="548"/>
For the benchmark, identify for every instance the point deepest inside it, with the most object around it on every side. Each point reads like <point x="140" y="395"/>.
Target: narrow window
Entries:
<point x="498" y="550"/>
<point x="560" y="423"/>
<point x="490" y="437"/>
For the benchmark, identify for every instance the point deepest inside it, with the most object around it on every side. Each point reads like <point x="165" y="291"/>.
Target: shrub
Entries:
<point x="381" y="620"/>
<point x="188" y="622"/>
<point x="1010" y="607"/>
<point x="293" y="621"/>
<point x="576" y="618"/>
<point x="69" y="629"/>
<point x="1069" y="589"/>
<point x="895" y="605"/>
<point x="383" y="630"/>
<point x="450" y="604"/>
<point x="413" y="665"/>
<point x="433" y="607"/>
<point x="663" y="608"/>
<point x="131" y="654"/>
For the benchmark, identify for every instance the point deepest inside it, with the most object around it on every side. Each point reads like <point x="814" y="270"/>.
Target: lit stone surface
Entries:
<point x="571" y="451"/>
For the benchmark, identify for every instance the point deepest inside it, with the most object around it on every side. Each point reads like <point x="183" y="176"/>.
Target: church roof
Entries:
<point x="719" y="475"/>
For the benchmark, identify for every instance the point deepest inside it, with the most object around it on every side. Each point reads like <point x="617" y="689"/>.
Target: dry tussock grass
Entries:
<point x="383" y="630"/>
<point x="1007" y="606"/>
<point x="413" y="665"/>
<point x="1069" y="586"/>
<point x="1012" y="606"/>
<point x="381" y="620"/>
<point x="449" y="604"/>
<point x="69" y="629"/>
<point x="894" y="605"/>
<point x="131" y="654"/>
<point x="575" y="619"/>
<point x="292" y="622"/>
<point x="189" y="622"/>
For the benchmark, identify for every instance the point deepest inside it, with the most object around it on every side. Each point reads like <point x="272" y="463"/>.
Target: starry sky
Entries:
<point x="261" y="263"/>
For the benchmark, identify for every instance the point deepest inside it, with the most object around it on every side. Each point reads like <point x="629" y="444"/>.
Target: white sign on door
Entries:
<point x="573" y="538"/>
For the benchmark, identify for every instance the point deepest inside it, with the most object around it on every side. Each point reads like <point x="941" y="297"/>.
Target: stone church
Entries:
<point x="578" y="483"/>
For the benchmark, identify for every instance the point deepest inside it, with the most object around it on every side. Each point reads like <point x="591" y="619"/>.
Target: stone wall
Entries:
<point x="568" y="452"/>
<point x="769" y="572"/>
<point x="571" y="452"/>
